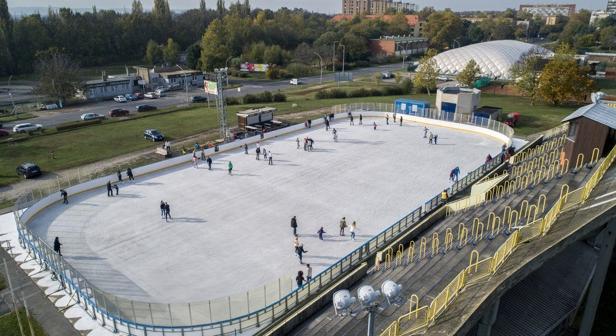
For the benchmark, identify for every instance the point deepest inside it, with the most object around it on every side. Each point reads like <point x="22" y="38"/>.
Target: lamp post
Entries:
<point x="343" y="55"/>
<point x="11" y="95"/>
<point x="185" y="82"/>
<point x="334" y="57"/>
<point x="226" y="67"/>
<point x="320" y="66"/>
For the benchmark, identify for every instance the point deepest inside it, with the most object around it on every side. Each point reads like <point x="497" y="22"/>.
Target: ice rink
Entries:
<point x="230" y="234"/>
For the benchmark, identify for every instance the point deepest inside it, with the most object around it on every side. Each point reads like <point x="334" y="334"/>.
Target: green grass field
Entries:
<point x="19" y="116"/>
<point x="9" y="325"/>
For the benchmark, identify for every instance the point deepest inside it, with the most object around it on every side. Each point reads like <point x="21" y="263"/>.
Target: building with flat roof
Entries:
<point x="457" y="100"/>
<point x="611" y="7"/>
<point x="108" y="87"/>
<point x="398" y="45"/>
<point x="172" y="76"/>
<point x="374" y="7"/>
<point x="545" y="10"/>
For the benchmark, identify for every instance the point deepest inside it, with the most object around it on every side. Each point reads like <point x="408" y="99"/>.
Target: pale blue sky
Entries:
<point x="325" y="6"/>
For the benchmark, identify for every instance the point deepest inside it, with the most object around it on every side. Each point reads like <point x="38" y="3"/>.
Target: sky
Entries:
<point x="324" y="6"/>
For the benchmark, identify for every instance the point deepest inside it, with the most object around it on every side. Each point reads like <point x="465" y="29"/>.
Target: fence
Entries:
<point x="479" y="269"/>
<point x="239" y="312"/>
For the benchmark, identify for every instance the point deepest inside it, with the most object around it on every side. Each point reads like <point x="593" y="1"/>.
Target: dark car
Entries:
<point x="4" y="133"/>
<point x="118" y="113"/>
<point x="138" y="95"/>
<point x="145" y="108"/>
<point x="198" y="99"/>
<point x="153" y="135"/>
<point x="28" y="170"/>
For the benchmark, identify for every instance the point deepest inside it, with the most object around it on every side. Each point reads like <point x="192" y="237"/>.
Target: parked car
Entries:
<point x="130" y="97"/>
<point x="160" y="92"/>
<point x="151" y="95"/>
<point x="91" y="116"/>
<point x="387" y="75"/>
<point x="27" y="127"/>
<point x="153" y="135"/>
<point x="138" y="95"/>
<point x="28" y="170"/>
<point x="198" y="99"/>
<point x="4" y="133"/>
<point x="295" y="81"/>
<point x="145" y="108"/>
<point x="45" y="107"/>
<point x="120" y="99"/>
<point x="118" y="113"/>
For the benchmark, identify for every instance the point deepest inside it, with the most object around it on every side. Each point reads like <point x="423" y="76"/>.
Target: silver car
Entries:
<point x="27" y="127"/>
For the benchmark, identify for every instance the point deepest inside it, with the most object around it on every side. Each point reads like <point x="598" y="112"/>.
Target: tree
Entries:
<point x="220" y="8"/>
<point x="443" y="28"/>
<point x="137" y="8"/>
<point x="214" y="51"/>
<point x="563" y="80"/>
<point x="202" y="7"/>
<point x="525" y="76"/>
<point x="427" y="71"/>
<point x="171" y="52"/>
<point x="58" y="75"/>
<point x="162" y="15"/>
<point x="607" y="37"/>
<point x="193" y="53"/>
<point x="6" y="39"/>
<point x="467" y="76"/>
<point x="304" y="53"/>
<point x="273" y="55"/>
<point x="153" y="53"/>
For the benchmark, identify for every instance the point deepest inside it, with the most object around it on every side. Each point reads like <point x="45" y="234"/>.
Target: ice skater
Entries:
<point x="264" y="154"/>
<point x="361" y="119"/>
<point x="436" y="139"/>
<point x="270" y="160"/>
<point x="209" y="163"/>
<point x="387" y="119"/>
<point x="258" y="151"/>
<point x="400" y="120"/>
<point x="351" y="123"/>
<point x="117" y="189"/>
<point x="119" y="176"/>
<point x="294" y="225"/>
<point x="57" y="246"/>
<point x="321" y="232"/>
<point x="162" y="209"/>
<point x="308" y="272"/>
<point x="245" y="149"/>
<point x="230" y="168"/>
<point x="425" y="132"/>
<point x="352" y="230"/>
<point x="64" y="196"/>
<point x="299" y="279"/>
<point x="109" y="190"/>
<point x="374" y="125"/>
<point x="300" y="253"/>
<point x="203" y="154"/>
<point x="129" y="173"/>
<point x="430" y="138"/>
<point x="326" y="124"/>
<point x="195" y="161"/>
<point x="335" y="132"/>
<point x="343" y="225"/>
<point x="305" y="144"/>
<point x="167" y="212"/>
<point x="394" y="117"/>
<point x="297" y="140"/>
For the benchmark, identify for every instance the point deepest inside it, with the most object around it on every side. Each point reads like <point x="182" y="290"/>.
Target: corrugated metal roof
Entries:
<point x="598" y="112"/>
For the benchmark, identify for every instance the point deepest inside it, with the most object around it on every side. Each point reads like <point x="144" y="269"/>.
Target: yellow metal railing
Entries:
<point x="419" y="318"/>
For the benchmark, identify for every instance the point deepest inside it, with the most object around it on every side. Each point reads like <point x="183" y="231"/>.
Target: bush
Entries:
<point x="265" y="97"/>
<point x="232" y="101"/>
<point x="76" y="124"/>
<point x="359" y="93"/>
<point x="392" y="91"/>
<point x="279" y="97"/>
<point x="250" y="99"/>
<point x="298" y="70"/>
<point x="337" y="93"/>
<point x="406" y="85"/>
<point x="376" y="92"/>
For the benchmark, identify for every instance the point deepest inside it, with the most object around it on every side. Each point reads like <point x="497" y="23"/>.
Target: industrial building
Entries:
<point x="374" y="7"/>
<point x="545" y="10"/>
<point x="398" y="46"/>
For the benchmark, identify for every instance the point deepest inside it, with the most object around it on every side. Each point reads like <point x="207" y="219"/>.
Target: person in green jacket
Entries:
<point x="230" y="167"/>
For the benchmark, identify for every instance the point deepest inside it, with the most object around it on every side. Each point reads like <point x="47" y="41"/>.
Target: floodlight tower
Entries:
<point x="221" y="106"/>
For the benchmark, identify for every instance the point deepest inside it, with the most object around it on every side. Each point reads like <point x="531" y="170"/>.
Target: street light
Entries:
<point x="343" y="54"/>
<point x="334" y="57"/>
<point x="11" y="95"/>
<point x="226" y="67"/>
<point x="185" y="82"/>
<point x="320" y="66"/>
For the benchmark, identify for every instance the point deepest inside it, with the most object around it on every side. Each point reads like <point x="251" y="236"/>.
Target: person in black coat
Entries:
<point x="300" y="252"/>
<point x="109" y="190"/>
<point x="294" y="225"/>
<point x="119" y="176"/>
<point x="57" y="246"/>
<point x="129" y="173"/>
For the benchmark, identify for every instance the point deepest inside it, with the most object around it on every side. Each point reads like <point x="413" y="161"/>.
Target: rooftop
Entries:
<point x="598" y="112"/>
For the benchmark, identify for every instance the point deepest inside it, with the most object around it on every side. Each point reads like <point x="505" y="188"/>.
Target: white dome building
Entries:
<point x="495" y="58"/>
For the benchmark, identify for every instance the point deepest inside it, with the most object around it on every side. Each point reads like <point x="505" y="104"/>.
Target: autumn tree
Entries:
<point x="171" y="52"/>
<point x="467" y="76"/>
<point x="153" y="53"/>
<point x="443" y="28"/>
<point x="58" y="75"/>
<point x="214" y="50"/>
<point x="563" y="79"/>
<point x="427" y="71"/>
<point x="525" y="76"/>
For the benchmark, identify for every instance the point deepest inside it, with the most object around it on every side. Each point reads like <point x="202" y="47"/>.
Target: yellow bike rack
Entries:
<point x="448" y="239"/>
<point x="422" y="247"/>
<point x="435" y="243"/>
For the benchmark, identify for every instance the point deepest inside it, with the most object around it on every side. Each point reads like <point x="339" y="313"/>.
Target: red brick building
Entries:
<point x="398" y="46"/>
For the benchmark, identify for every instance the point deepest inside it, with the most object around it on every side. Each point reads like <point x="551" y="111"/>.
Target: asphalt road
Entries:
<point x="179" y="98"/>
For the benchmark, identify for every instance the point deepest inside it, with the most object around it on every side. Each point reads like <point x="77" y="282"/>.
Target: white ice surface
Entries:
<point x="231" y="233"/>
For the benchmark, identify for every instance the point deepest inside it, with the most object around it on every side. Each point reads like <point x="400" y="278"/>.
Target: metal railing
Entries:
<point x="236" y="313"/>
<point x="479" y="269"/>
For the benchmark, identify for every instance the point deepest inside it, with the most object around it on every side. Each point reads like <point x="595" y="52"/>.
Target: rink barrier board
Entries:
<point x="88" y="293"/>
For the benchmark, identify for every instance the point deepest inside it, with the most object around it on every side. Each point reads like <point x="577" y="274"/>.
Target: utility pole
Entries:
<point x="185" y="82"/>
<point x="320" y="66"/>
<point x="334" y="57"/>
<point x="227" y="68"/>
<point x="343" y="54"/>
<point x="11" y="95"/>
